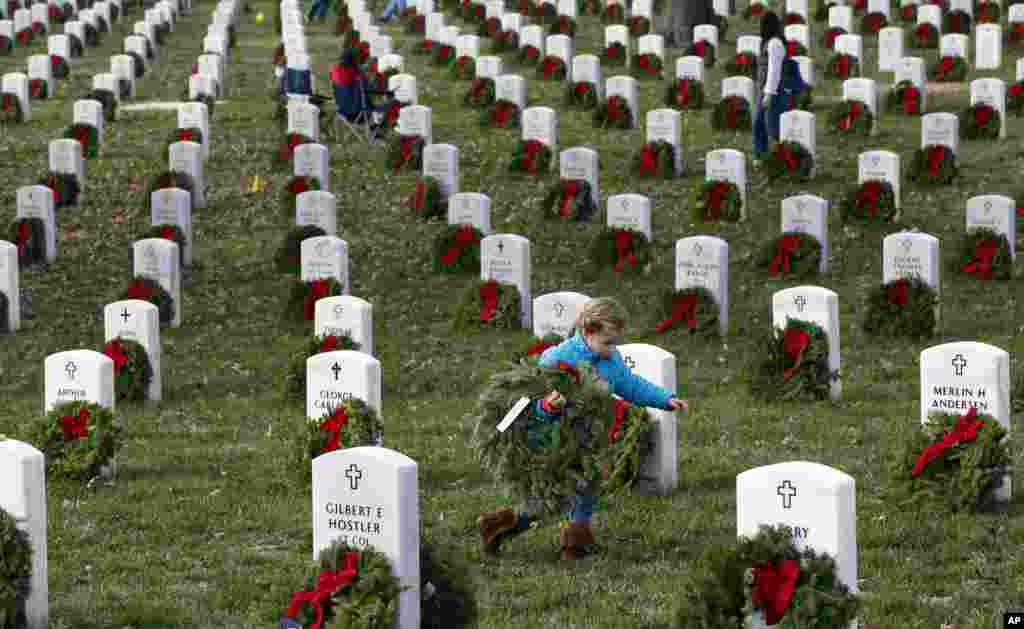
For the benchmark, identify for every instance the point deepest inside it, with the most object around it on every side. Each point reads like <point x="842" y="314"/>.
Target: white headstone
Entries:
<point x="741" y="86"/>
<point x="470" y="208"/>
<point x="334" y="377"/>
<point x="196" y="115"/>
<point x="441" y="161"/>
<point x="582" y="164"/>
<point x="40" y="15"/>
<point x="749" y="43"/>
<point x="9" y="284"/>
<point x="651" y="44"/>
<point x="467" y="46"/>
<point x="74" y="27"/>
<point x="66" y="157"/>
<point x="618" y="34"/>
<point x="808" y="214"/>
<point x="706" y="33"/>
<point x="797" y="7"/>
<point x="511" y="87"/>
<point x="79" y="375"/>
<point x="173" y="206"/>
<point x="852" y="45"/>
<point x="23" y="495"/>
<point x="393" y="62"/>
<point x="325" y="257"/>
<point x="555" y="313"/>
<point x="991" y="92"/>
<point x="106" y="81"/>
<point x="311" y="160"/>
<point x="588" y="68"/>
<point x="627" y="88"/>
<point x="39" y="67"/>
<point x="879" y="6"/>
<point x="666" y="125"/>
<point x="967" y="6"/>
<point x="533" y="35"/>
<point x="512" y="22"/>
<point x="506" y="258"/>
<point x="541" y="123"/>
<point x="798" y="126"/>
<point x="941" y="128"/>
<point x="404" y="87"/>
<point x="317" y="207"/>
<point x="202" y="85"/>
<point x="909" y="255"/>
<point x="212" y="65"/>
<point x="841" y="16"/>
<point x="816" y="305"/>
<point x="123" y="67"/>
<point x="630" y="211"/>
<point x="137" y="44"/>
<point x="37" y="202"/>
<point x="864" y="91"/>
<point x="494" y="9"/>
<point x="17" y="83"/>
<point x="187" y="158"/>
<point x="806" y="65"/>
<point x="416" y="120"/>
<point x="424" y="7"/>
<point x="728" y="165"/>
<point x="449" y="34"/>
<point x="955" y="45"/>
<point x="794" y="32"/>
<point x="343" y="315"/>
<point x="642" y="8"/>
<point x="703" y="261"/>
<point x="567" y="8"/>
<point x="994" y="212"/>
<point x="380" y="46"/>
<point x="560" y="46"/>
<point x="690" y="68"/>
<point x="90" y="112"/>
<point x="59" y="45"/>
<point x="988" y="51"/>
<point x="139" y="321"/>
<point x="433" y="25"/>
<point x="159" y="260"/>
<point x="883" y="166"/>
<point x="912" y="69"/>
<point x="930" y="14"/>
<point x="22" y="19"/>
<point x="890" y="48"/>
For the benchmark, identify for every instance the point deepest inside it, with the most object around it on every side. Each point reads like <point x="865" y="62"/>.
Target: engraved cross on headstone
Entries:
<point x="501" y="247"/>
<point x="630" y="362"/>
<point x="559" y="308"/>
<point x="71" y="368"/>
<point x="125" y="315"/>
<point x="801" y="302"/>
<point x="354" y="475"/>
<point x="338" y="311"/>
<point x="786" y="491"/>
<point x="336" y="368"/>
<point x="959" y="364"/>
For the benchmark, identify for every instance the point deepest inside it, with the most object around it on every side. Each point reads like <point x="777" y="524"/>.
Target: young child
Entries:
<point x="599" y="328"/>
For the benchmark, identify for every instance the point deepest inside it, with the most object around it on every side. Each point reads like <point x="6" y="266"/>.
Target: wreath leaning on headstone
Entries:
<point x="480" y="94"/>
<point x="38" y="89"/>
<point x="905" y="307"/>
<point x="793" y="255"/>
<point x="569" y="199"/>
<point x="551" y="68"/>
<point x="904" y="97"/>
<point x="296" y="186"/>
<point x="980" y="121"/>
<point x="462" y="69"/>
<point x="15" y="569"/>
<point x="949" y="68"/>
<point x="685" y="94"/>
<point x="647" y="65"/>
<point x="10" y="109"/>
<point x="614" y="113"/>
<point x="765" y="574"/>
<point x="693" y="306"/>
<point x="286" y="151"/>
<point x="78" y="438"/>
<point x="295" y="377"/>
<point x="933" y="164"/>
<point x="716" y="200"/>
<point x="1015" y="97"/>
<point x="29" y="236"/>
<point x="614" y="55"/>
<point x="535" y="347"/>
<point x="985" y="254"/>
<point x="851" y="116"/>
<point x="580" y="95"/>
<point x="6" y="45"/>
<point x="428" y="200"/>
<point x="488" y="304"/>
<point x="871" y="201"/>
<point x="503" y="114"/>
<point x="842" y="66"/>
<point x="168" y="179"/>
<point x="732" y="112"/>
<point x="621" y="249"/>
<point x="405" y="151"/>
<point x="792" y="363"/>
<point x="655" y="159"/>
<point x="871" y="23"/>
<point x="169" y="231"/>
<point x="531" y="157"/>
<point x="65" y="188"/>
<point x="87" y="135"/>
<point x="133" y="372"/>
<point x="457" y="249"/>
<point x="146" y="289"/>
<point x="304" y="295"/>
<point x="789" y="161"/>
<point x="563" y="25"/>
<point x="351" y="424"/>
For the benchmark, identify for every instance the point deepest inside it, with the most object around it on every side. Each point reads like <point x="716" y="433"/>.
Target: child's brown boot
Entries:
<point x="577" y="541"/>
<point x="497" y="527"/>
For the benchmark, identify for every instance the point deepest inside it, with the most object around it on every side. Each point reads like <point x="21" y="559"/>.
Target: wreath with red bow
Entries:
<point x="463" y="69"/>
<point x="457" y="249"/>
<point x="489" y="27"/>
<point x="503" y="114"/>
<point x="563" y="25"/>
<point x="65" y="188"/>
<point x="871" y="23"/>
<point x="639" y="25"/>
<point x="590" y="7"/>
<point x="417" y="25"/>
<point x="934" y="163"/>
<point x="405" y="152"/>
<point x="765" y="574"/>
<point x="78" y="439"/>
<point x="743" y="63"/>
<point x="793" y="255"/>
<point x="289" y="255"/>
<point x="987" y="12"/>
<point x="286" y="151"/>
<point x="908" y="13"/>
<point x="647" y="66"/>
<point x="551" y="68"/>
<point x="842" y="66"/>
<point x="109" y="101"/>
<point x="580" y="95"/>
<point x="16" y="573"/>
<point x="828" y="38"/>
<point x="29" y="236"/>
<point x="716" y="200"/>
<point x="957" y="22"/>
<point x="703" y="49"/>
<point x="427" y="200"/>
<point x="425" y="47"/>
<point x="953" y="460"/>
<point x="10" y="109"/>
<point x="305" y="295"/>
<point x="295" y="377"/>
<point x="390" y="120"/>
<point x="379" y="80"/>
<point x="613" y="13"/>
<point x="755" y="10"/>
<point x="791" y="18"/>
<point x="621" y="249"/>
<point x="167" y="179"/>
<point x="362" y="53"/>
<point x="351" y="424"/>
<point x="132" y="369"/>
<point x="531" y="157"/>
<point x="655" y="159"/>
<point x="693" y="308"/>
<point x="905" y="307"/>
<point x="614" y="113"/>
<point x="924" y="37"/>
<point x="528" y="56"/>
<point x="980" y="121"/>
<point x="474" y="12"/>
<point x="505" y="42"/>
<point x="948" y="69"/>
<point x="793" y="363"/>
<point x="569" y="199"/>
<point x="488" y="304"/>
<point x="38" y="89"/>
<point x="614" y="55"/>
<point x="685" y="94"/>
<point x="1015" y="34"/>
<point x="851" y="117"/>
<point x="183" y="134"/>
<point x="87" y="135"/>
<point x="444" y="54"/>
<point x="146" y="289"/>
<point x="794" y="48"/>
<point x="789" y="160"/>
<point x="171" y="232"/>
<point x="985" y="255"/>
<point x="6" y="45"/>
<point x="905" y="97"/>
<point x="25" y="37"/>
<point x="872" y="201"/>
<point x="296" y="186"/>
<point x="733" y="113"/>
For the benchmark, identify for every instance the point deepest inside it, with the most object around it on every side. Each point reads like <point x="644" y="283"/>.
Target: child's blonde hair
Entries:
<point x="601" y="314"/>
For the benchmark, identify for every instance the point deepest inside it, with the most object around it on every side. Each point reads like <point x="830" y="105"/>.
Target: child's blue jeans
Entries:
<point x="581" y="509"/>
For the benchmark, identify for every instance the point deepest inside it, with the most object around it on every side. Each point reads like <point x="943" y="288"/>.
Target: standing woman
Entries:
<point x="770" y="106"/>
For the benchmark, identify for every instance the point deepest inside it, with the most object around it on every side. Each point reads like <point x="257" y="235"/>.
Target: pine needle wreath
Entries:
<point x="351" y="424"/>
<point x="1015" y="98"/>
<point x="379" y="80"/>
<point x="793" y="255"/>
<point x="789" y="160"/>
<point x="569" y="200"/>
<point x="685" y="94"/>
<point x="132" y="370"/>
<point x="167" y="179"/>
<point x="563" y="25"/>
<point x="984" y="254"/>
<point x="842" y="66"/>
<point x="289" y="254"/>
<point x="65" y="188"/>
<point x="1015" y="34"/>
<point x="417" y="25"/>
<point x="183" y="134"/>
<point x="10" y="109"/>
<point x="733" y="113"/>
<point x="905" y="97"/>
<point x="457" y="249"/>
<point x="987" y="13"/>
<point x="622" y="250"/>
<point x="724" y="594"/>
<point x="613" y="13"/>
<point x="296" y="186"/>
<point x="480" y="93"/>
<point x="965" y="474"/>
<point x="531" y="157"/>
<point x="903" y="308"/>
<point x="647" y="66"/>
<point x="743" y="63"/>
<point x="425" y="48"/>
<point x="795" y="48"/>
<point x="528" y="56"/>
<point x="715" y="201"/>
<point x="26" y="37"/>
<point x="655" y="160"/>
<point x="477" y="13"/>
<point x="614" y="113"/>
<point x="146" y="289"/>
<point x="957" y="22"/>
<point x="639" y="25"/>
<point x="870" y="201"/>
<point x="38" y="89"/>
<point x="15" y="570"/>
<point x="302" y="301"/>
<point x="295" y="377"/>
<point x="87" y="135"/>
<point x="369" y="600"/>
<point x="138" y="64"/>
<point x="505" y="42"/>
<point x="980" y="121"/>
<point x="908" y="13"/>
<point x="405" y="152"/>
<point x="851" y="117"/>
<point x="448" y="598"/>
<point x="871" y="23"/>
<point x="948" y="69"/>
<point x="463" y="69"/>
<point x="580" y="95"/>
<point x="933" y="164"/>
<point x="551" y="68"/>
<point x="29" y="236"/>
<point x="535" y="347"/>
<point x="443" y="54"/>
<point x="792" y="363"/>
<point x="286" y="151"/>
<point x="6" y="46"/>
<point x="5" y="315"/>
<point x="489" y="28"/>
<point x="109" y="101"/>
<point x="428" y="201"/>
<point x="614" y="55"/>
<point x="924" y="37"/>
<point x="503" y="114"/>
<point x="755" y="10"/>
<point x="171" y="232"/>
<point x="351" y="40"/>
<point x="793" y="18"/>
<point x="77" y="438"/>
<point x="488" y="304"/>
<point x="693" y="309"/>
<point x="828" y="38"/>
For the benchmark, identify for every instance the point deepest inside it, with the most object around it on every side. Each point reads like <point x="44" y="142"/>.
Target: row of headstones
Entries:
<point x="841" y="13"/>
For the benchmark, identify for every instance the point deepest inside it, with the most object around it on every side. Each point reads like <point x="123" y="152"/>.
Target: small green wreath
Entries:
<point x="29" y="235"/>
<point x="146" y="289"/>
<point x="295" y="377"/>
<point x="535" y="347"/>
<point x="985" y="254"/>
<point x="655" y="160"/>
<point x="904" y="97"/>
<point x="851" y="116"/>
<point x="505" y="42"/>
<point x="904" y="307"/>
<point x="405" y="151"/>
<point x="948" y="69"/>
<point x="694" y="306"/>
<point x="613" y="13"/>
<point x="792" y="363"/>
<point x="614" y="113"/>
<point x="462" y="69"/>
<point x="65" y="188"/>
<point x="77" y="438"/>
<point x="987" y="12"/>
<point x="933" y="164"/>
<point x="480" y="94"/>
<point x="551" y="68"/>
<point x="980" y="121"/>
<point x="87" y="135"/>
<point x="569" y="199"/>
<point x="871" y="23"/>
<point x="732" y="113"/>
<point x="789" y="161"/>
<point x="743" y="64"/>
<point x="296" y="186"/>
<point x="580" y="95"/>
<point x="639" y="25"/>
<point x="457" y="249"/>
<point x="716" y="200"/>
<point x="109" y="101"/>
<point x="15" y="570"/>
<point x="10" y="109"/>
<point x="621" y="249"/>
<point x="647" y="66"/>
<point x="563" y="25"/>
<point x="870" y="201"/>
<point x="528" y="56"/>
<point x="302" y="301"/>
<point x="1015" y="96"/>
<point x="793" y="255"/>
<point x="614" y="55"/>
<point x="415" y="25"/>
<point x="957" y="22"/>
<point x="428" y="201"/>
<point x="286" y="151"/>
<point x="425" y="48"/>
<point x="133" y="372"/>
<point x="842" y="66"/>
<point x="531" y="157"/>
<point x="503" y="114"/>
<point x="168" y="179"/>
<point x="351" y="424"/>
<point x="489" y="28"/>
<point x="444" y="54"/>
<point x="38" y="89"/>
<point x="488" y="304"/>
<point x="289" y="255"/>
<point x="685" y="94"/>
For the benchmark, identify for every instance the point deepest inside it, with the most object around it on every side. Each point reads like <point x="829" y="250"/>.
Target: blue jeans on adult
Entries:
<point x="320" y="8"/>
<point x="394" y="7"/>
<point x="766" y="122"/>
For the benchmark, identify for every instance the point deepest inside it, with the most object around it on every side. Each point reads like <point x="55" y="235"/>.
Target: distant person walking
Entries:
<point x="769" y="105"/>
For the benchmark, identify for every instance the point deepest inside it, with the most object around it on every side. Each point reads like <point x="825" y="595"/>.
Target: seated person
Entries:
<point x="352" y="95"/>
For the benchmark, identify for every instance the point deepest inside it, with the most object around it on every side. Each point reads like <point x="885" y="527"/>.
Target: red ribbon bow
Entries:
<point x="550" y="65"/>
<point x="82" y="135"/>
<point x="569" y="193"/>
<point x="502" y="113"/>
<point x="624" y="249"/>
<point x="582" y="88"/>
<point x="699" y="48"/>
<point x="945" y="66"/>
<point x="488" y="300"/>
<point x="464" y="237"/>
<point x="899" y="292"/>
<point x="138" y="290"/>
<point x="318" y="290"/>
<point x="935" y="157"/>
<point x="615" y="110"/>
<point x="298" y="185"/>
<point x="742" y="59"/>
<point x="648" y="161"/>
<point x="419" y="195"/>
<point x="731" y="110"/>
<point x="786" y="156"/>
<point x="531" y="149"/>
<point x="868" y="197"/>
<point x="51" y="183"/>
<point x="682" y="306"/>
<point x="786" y="247"/>
<point x="851" y="117"/>
<point x="327" y="583"/>
<point x="910" y="100"/>
<point x="982" y="114"/>
<point x="37" y="88"/>
<point x="618" y="421"/>
<point x="683" y="92"/>
<point x="843" y="66"/>
<point x="405" y="146"/>
<point x="794" y="342"/>
<point x="24" y="236"/>
<point x="922" y="31"/>
<point x="965" y="430"/>
<point x="790" y="47"/>
<point x="981" y="263"/>
<point x="185" y="136"/>
<point x="774" y="587"/>
<point x="715" y="198"/>
<point x="539" y="348"/>
<point x="330" y="343"/>
<point x="195" y="68"/>
<point x="168" y="233"/>
<point x="333" y="426"/>
<point x="75" y="427"/>
<point x="115" y="351"/>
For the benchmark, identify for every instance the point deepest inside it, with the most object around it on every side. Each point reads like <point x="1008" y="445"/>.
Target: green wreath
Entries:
<point x="405" y="151"/>
<point x="580" y="95"/>
<point x="904" y="97"/>
<point x="146" y="289"/>
<point x="286" y="151"/>
<point x="723" y="595"/>
<point x="462" y="69"/>
<point x="614" y="113"/>
<point x="933" y="164"/>
<point x="963" y="477"/>
<point x="77" y="438"/>
<point x="621" y="249"/>
<point x="979" y="243"/>
<point x="685" y="94"/>
<point x="25" y="37"/>
<point x="480" y="94"/>
<point x="489" y="27"/>
<point x="471" y="312"/>
<point x="948" y="69"/>
<point x="743" y="63"/>
<point x="87" y="135"/>
<point x="379" y="80"/>
<point x="295" y="377"/>
<point x="360" y="426"/>
<point x="168" y="179"/>
<point x="905" y="307"/>
<point x="569" y="199"/>
<point x="528" y="56"/>
<point x="537" y="346"/>
<point x="614" y="55"/>
<point x="980" y="121"/>
<point x="908" y="13"/>
<point x="793" y="255"/>
<point x="10" y="109"/>
<point x="38" y="89"/>
<point x="169" y="231"/>
<point x="304" y="296"/>
<point x="789" y="160"/>
<point x="503" y="114"/>
<point x="871" y="23"/>
<point x="755" y="10"/>
<point x="647" y="66"/>
<point x="828" y="38"/>
<point x="296" y="186"/>
<point x="476" y="14"/>
<point x="505" y="42"/>
<point x="444" y="54"/>
<point x="29" y="234"/>
<point x="852" y="117"/>
<point x="109" y="101"/>
<point x="370" y="600"/>
<point x="613" y="13"/>
<point x="289" y="255"/>
<point x="778" y="375"/>
<point x="639" y="25"/>
<point x="795" y="48"/>
<point x="842" y="66"/>
<point x="425" y="48"/>
<point x="531" y="157"/>
<point x="65" y="188"/>
<point x="416" y="25"/>
<point x="694" y="306"/>
<point x="870" y="201"/>
<point x="563" y="25"/>
<point x="656" y="160"/>
<point x="1015" y="97"/>
<point x="732" y="112"/>
<point x="428" y="201"/>
<point x="987" y="12"/>
<point x="16" y="572"/>
<point x="957" y="22"/>
<point x="457" y="249"/>
<point x="725" y="194"/>
<point x="551" y="68"/>
<point x="133" y="372"/>
<point x="351" y="39"/>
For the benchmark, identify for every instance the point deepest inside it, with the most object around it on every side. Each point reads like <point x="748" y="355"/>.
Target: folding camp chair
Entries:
<point x="356" y="112"/>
